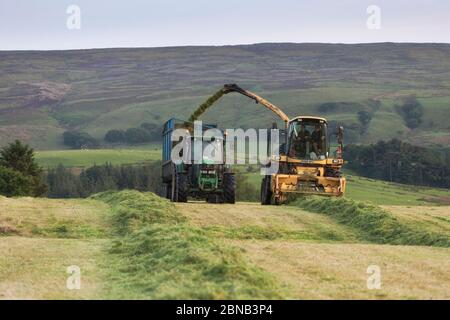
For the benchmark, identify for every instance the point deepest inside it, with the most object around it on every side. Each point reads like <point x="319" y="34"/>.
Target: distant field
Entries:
<point x="87" y="158"/>
<point x="387" y="193"/>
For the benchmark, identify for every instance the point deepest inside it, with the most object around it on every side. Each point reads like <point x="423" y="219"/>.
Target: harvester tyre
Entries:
<point x="229" y="188"/>
<point x="266" y="193"/>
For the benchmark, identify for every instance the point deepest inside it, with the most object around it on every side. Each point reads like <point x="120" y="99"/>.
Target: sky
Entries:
<point x="82" y="24"/>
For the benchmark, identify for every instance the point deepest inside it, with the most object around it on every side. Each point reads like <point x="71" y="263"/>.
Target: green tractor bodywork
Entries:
<point x="208" y="179"/>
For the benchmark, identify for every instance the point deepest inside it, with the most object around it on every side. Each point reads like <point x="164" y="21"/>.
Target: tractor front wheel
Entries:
<point x="229" y="188"/>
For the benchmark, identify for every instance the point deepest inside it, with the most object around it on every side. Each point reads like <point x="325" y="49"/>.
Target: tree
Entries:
<point x="65" y="184"/>
<point x="14" y="183"/>
<point x="20" y="159"/>
<point x="364" y="118"/>
<point x="150" y="127"/>
<point x="79" y="140"/>
<point x="137" y="135"/>
<point x="412" y="112"/>
<point x="115" y="136"/>
<point x="62" y="183"/>
<point x="400" y="162"/>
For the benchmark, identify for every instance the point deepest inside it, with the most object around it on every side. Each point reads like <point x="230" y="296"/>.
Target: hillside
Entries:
<point x="44" y="93"/>
<point x="211" y="251"/>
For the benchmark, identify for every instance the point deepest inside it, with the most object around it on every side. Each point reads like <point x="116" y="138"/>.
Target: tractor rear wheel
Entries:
<point x="168" y="191"/>
<point x="229" y="188"/>
<point x="266" y="193"/>
<point x="180" y="191"/>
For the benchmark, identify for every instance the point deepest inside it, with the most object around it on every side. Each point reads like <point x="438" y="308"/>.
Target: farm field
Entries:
<point x="41" y="238"/>
<point x="87" y="158"/>
<point x="252" y="251"/>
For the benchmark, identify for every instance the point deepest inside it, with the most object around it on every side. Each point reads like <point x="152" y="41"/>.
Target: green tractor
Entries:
<point x="209" y="179"/>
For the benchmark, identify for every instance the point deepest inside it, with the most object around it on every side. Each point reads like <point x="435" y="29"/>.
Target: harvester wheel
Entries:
<point x="229" y="188"/>
<point x="181" y="188"/>
<point x="266" y="193"/>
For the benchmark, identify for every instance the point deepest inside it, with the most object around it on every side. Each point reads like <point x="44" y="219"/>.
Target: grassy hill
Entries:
<point x="44" y="93"/>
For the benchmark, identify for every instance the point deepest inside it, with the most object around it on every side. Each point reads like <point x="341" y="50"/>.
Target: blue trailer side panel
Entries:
<point x="167" y="143"/>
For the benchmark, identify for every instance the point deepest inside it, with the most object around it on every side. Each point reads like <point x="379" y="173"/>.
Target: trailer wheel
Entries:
<point x="266" y="193"/>
<point x="229" y="188"/>
<point x="179" y="188"/>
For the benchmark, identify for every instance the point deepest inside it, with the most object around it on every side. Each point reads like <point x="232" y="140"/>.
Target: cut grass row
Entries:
<point x="250" y="221"/>
<point x="157" y="254"/>
<point x="373" y="223"/>
<point x="295" y="246"/>
<point x="142" y="248"/>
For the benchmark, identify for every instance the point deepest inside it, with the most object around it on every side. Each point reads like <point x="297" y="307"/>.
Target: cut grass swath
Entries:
<point x="372" y="222"/>
<point x="158" y="255"/>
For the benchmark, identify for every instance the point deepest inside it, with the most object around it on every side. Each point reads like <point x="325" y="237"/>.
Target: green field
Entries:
<point x="87" y="158"/>
<point x="387" y="193"/>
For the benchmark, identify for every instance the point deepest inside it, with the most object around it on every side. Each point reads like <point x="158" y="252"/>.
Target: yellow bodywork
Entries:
<point x="307" y="177"/>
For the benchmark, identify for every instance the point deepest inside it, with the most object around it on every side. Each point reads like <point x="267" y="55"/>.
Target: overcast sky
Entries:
<point x="42" y="24"/>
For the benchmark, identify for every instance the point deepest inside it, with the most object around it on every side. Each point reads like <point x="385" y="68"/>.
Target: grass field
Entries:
<point x="388" y="193"/>
<point x="131" y="245"/>
<point x="36" y="268"/>
<point x="87" y="158"/>
<point x="41" y="238"/>
<point x="339" y="271"/>
<point x="319" y="258"/>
